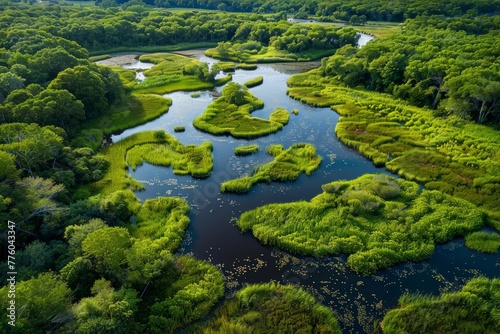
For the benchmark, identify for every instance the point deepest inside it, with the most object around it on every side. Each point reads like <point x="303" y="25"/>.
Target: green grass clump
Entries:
<point x="164" y="84"/>
<point x="378" y="221"/>
<point x="271" y="308"/>
<point x="163" y="220"/>
<point x="155" y="147"/>
<point x="230" y="114"/>
<point x="280" y="115"/>
<point x="449" y="154"/>
<point x="179" y="128"/>
<point x="246" y="150"/>
<point x="247" y="67"/>
<point x="134" y="110"/>
<point x="185" y="160"/>
<point x="254" y="82"/>
<point x="195" y="95"/>
<point x="483" y="242"/>
<point x="473" y="309"/>
<point x="295" y="112"/>
<point x="166" y="63"/>
<point x="286" y="166"/>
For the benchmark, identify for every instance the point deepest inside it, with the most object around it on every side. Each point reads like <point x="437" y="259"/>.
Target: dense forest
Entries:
<point x="90" y="257"/>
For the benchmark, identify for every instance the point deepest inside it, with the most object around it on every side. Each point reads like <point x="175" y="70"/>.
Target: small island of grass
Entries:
<point x="473" y="309"/>
<point x="230" y="114"/>
<point x="254" y="82"/>
<point x="377" y="220"/>
<point x="270" y="308"/>
<point x="483" y="242"/>
<point x="246" y="150"/>
<point x="280" y="115"/>
<point x="286" y="166"/>
<point x="179" y="128"/>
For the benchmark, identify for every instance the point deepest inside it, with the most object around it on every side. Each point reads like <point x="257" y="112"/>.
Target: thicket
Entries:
<point x="349" y="10"/>
<point x="377" y="220"/>
<point x="271" y="308"/>
<point x="446" y="64"/>
<point x="473" y="309"/>
<point x="268" y="42"/>
<point x="230" y="114"/>
<point x="287" y="166"/>
<point x="448" y="154"/>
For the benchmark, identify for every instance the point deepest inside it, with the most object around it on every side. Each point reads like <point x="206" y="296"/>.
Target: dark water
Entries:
<point x="358" y="302"/>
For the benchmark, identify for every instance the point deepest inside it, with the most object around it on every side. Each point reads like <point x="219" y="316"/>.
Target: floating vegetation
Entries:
<point x="254" y="82"/>
<point x="375" y="219"/>
<point x="287" y="166"/>
<point x="195" y="95"/>
<point x="179" y="128"/>
<point x="246" y="150"/>
<point x="295" y="112"/>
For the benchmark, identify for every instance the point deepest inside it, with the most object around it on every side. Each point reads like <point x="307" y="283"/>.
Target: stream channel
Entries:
<point x="358" y="302"/>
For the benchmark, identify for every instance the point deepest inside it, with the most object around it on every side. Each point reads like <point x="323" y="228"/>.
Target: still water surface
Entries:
<point x="357" y="301"/>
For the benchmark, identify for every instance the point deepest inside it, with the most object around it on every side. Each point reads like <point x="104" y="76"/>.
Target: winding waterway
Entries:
<point x="357" y="301"/>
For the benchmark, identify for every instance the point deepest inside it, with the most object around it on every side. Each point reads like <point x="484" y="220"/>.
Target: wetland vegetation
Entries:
<point x="287" y="166"/>
<point x="91" y="257"/>
<point x="376" y="219"/>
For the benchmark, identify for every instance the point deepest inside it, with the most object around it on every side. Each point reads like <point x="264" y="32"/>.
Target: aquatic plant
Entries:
<point x="287" y="166"/>
<point x="246" y="150"/>
<point x="377" y="220"/>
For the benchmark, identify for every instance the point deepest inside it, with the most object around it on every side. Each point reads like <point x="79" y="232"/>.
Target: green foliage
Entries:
<point x="41" y="304"/>
<point x="246" y="150"/>
<point x="254" y="82"/>
<point x="287" y="166"/>
<point x="156" y="148"/>
<point x="272" y="308"/>
<point x="230" y="114"/>
<point x="473" y="309"/>
<point x="450" y="155"/>
<point x="375" y="219"/>
<point x="179" y="128"/>
<point x="483" y="242"/>
<point x="280" y="115"/>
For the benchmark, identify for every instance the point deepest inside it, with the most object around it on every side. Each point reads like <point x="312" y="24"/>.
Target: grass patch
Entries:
<point x="246" y="150"/>
<point x="230" y="114"/>
<point x="270" y="308"/>
<point x="483" y="242"/>
<point x="155" y="147"/>
<point x="195" y="95"/>
<point x="295" y="112"/>
<point x="179" y="128"/>
<point x="378" y="221"/>
<point x="280" y="115"/>
<point x="247" y="67"/>
<point x="449" y="154"/>
<point x="380" y="29"/>
<point x="134" y="110"/>
<point x="254" y="82"/>
<point x="287" y="166"/>
<point x="473" y="309"/>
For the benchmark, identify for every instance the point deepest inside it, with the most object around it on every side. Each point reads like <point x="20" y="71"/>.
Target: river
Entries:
<point x="357" y="301"/>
